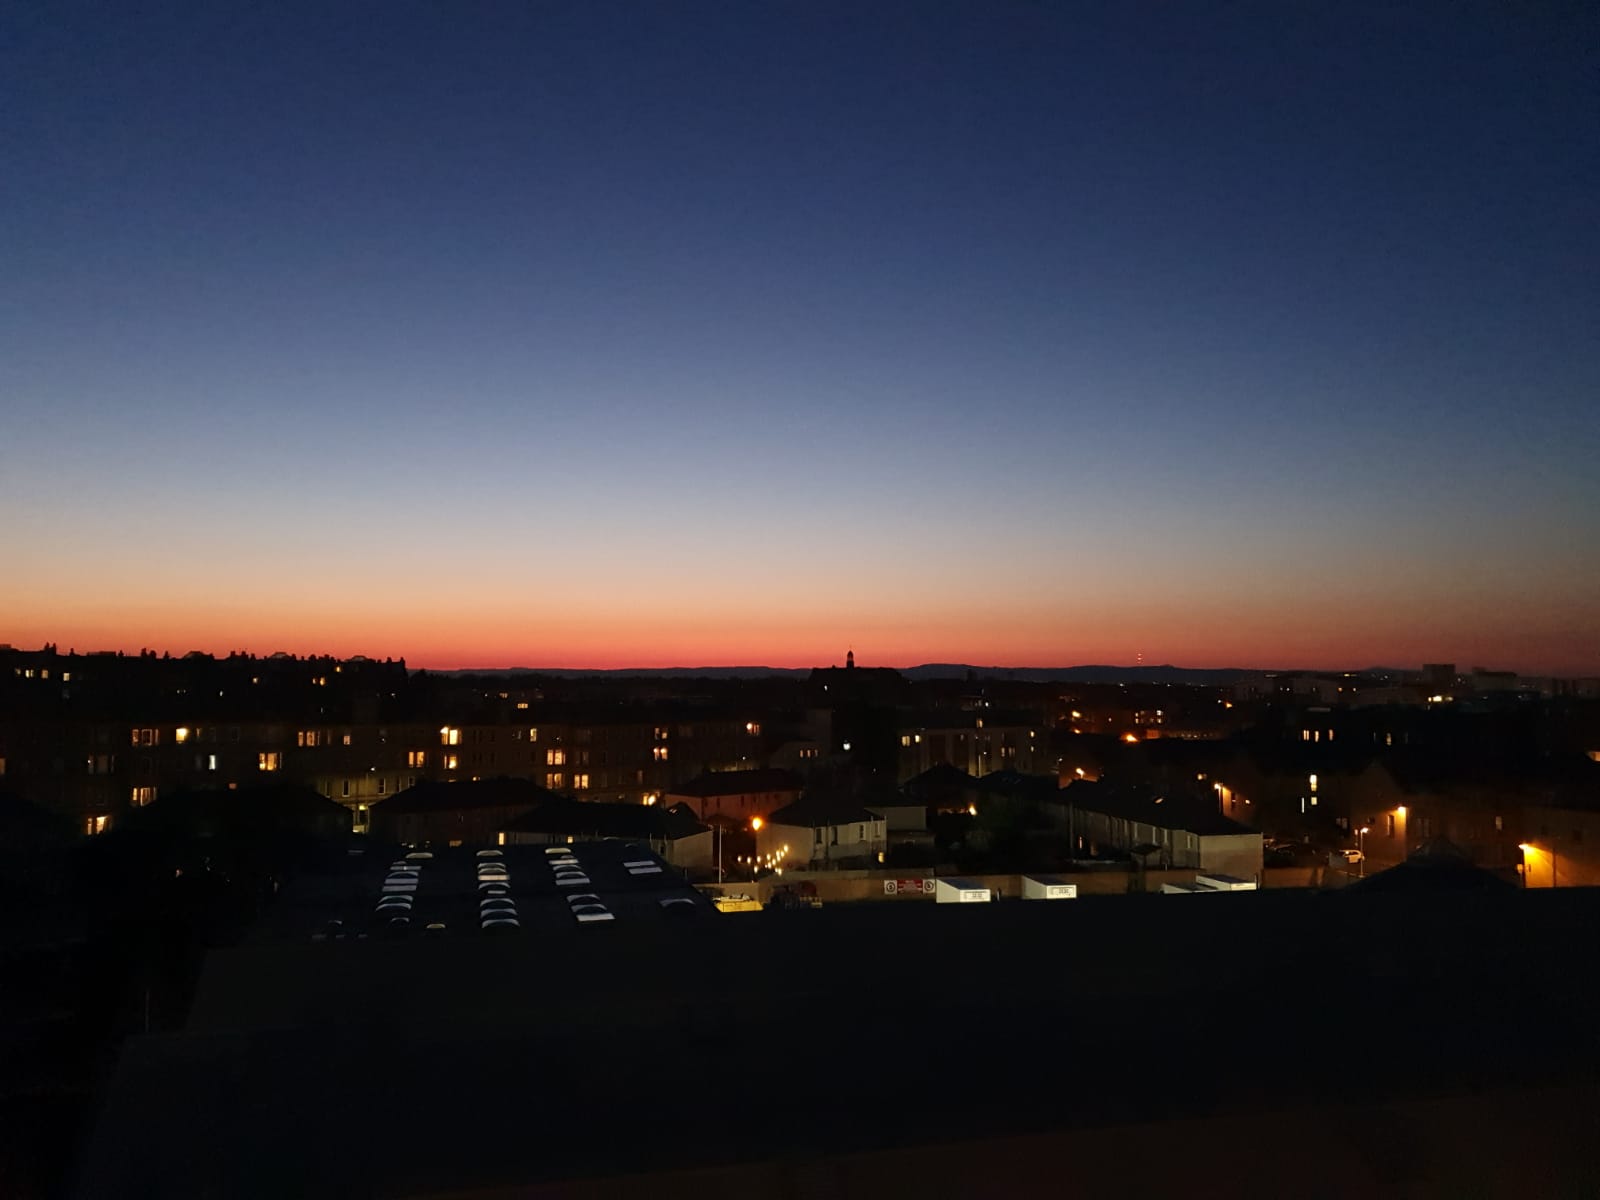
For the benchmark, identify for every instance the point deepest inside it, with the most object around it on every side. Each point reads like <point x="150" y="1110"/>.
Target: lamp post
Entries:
<point x="1361" y="849"/>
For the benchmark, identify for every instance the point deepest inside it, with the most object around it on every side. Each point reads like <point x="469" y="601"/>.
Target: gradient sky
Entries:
<point x="602" y="334"/>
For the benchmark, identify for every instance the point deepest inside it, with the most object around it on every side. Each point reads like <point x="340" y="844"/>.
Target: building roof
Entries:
<point x="735" y="783"/>
<point x="1164" y="809"/>
<point x="1436" y="866"/>
<point x="557" y="814"/>
<point x="478" y="793"/>
<point x="813" y="811"/>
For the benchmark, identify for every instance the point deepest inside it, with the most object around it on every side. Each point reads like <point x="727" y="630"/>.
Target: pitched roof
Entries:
<point x="1436" y="866"/>
<point x="557" y="814"/>
<point x="478" y="793"/>
<point x="1163" y="809"/>
<point x="734" y="783"/>
<point x="940" y="779"/>
<point x="815" y="811"/>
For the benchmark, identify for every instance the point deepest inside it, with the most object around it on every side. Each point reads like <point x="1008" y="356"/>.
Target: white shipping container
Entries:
<point x="1044" y="887"/>
<point x="960" y="891"/>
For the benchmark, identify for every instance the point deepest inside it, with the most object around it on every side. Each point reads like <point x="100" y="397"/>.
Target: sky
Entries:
<point x="680" y="333"/>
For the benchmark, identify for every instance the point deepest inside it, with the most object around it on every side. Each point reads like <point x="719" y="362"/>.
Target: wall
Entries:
<point x="1232" y="854"/>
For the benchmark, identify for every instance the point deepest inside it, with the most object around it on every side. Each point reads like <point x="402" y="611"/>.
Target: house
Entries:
<point x="736" y="795"/>
<point x="824" y="830"/>
<point x="1171" y="829"/>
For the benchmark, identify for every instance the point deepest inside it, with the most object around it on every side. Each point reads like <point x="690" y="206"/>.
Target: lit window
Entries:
<point x="660" y="753"/>
<point x="522" y="704"/>
<point x="449" y="736"/>
<point x="533" y="735"/>
<point x="211" y="762"/>
<point x="555" y="758"/>
<point x="905" y="739"/>
<point x="1312" y="780"/>
<point x="753" y="728"/>
<point x="580" y="780"/>
<point x="146" y="737"/>
<point x="345" y="739"/>
<point x="450" y="762"/>
<point x="416" y="758"/>
<point x="554" y="779"/>
<point x="2" y="766"/>
<point x="94" y="825"/>
<point x="142" y="796"/>
<point x="661" y="733"/>
<point x="181" y="735"/>
<point x="268" y="760"/>
<point x="306" y="737"/>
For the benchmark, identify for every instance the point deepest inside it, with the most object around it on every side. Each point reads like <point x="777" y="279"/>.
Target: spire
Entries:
<point x="849" y="659"/>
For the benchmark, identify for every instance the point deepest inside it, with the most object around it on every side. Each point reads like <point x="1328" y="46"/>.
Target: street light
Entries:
<point x="1361" y="849"/>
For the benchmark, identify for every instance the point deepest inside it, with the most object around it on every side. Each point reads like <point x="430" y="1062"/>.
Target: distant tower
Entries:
<point x="849" y="659"/>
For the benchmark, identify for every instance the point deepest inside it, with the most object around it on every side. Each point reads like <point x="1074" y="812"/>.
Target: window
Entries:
<point x="141" y="796"/>
<point x="905" y="739"/>
<point x="94" y="825"/>
<point x="211" y="762"/>
<point x="383" y="787"/>
<point x="753" y="728"/>
<point x="146" y="737"/>
<point x="660" y="753"/>
<point x="1499" y="824"/>
<point x="451" y="762"/>
<point x="533" y="734"/>
<point x="416" y="758"/>
<point x="180" y="735"/>
<point x="581" y="758"/>
<point x="345" y="740"/>
<point x="580" y="780"/>
<point x="101" y="764"/>
<point x="306" y="737"/>
<point x="344" y="788"/>
<point x="661" y="733"/>
<point x="268" y="760"/>
<point x="2" y="766"/>
<point x="449" y="736"/>
<point x="554" y="779"/>
<point x="1388" y="825"/>
<point x="555" y="758"/>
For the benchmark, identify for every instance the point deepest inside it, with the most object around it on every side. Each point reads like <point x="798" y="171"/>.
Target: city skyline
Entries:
<point x="670" y="335"/>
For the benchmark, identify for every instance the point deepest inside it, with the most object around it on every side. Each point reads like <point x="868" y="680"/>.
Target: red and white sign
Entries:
<point x="916" y="887"/>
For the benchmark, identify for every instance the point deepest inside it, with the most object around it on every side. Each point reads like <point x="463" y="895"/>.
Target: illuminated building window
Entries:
<point x="522" y="704"/>
<point x="345" y="740"/>
<point x="555" y="758"/>
<point x="533" y="734"/>
<point x="661" y="733"/>
<point x="2" y="766"/>
<point x="416" y="758"/>
<point x="94" y="825"/>
<point x="660" y="753"/>
<point x="268" y="760"/>
<point x="211" y="762"/>
<point x="1499" y="824"/>
<point x="306" y="737"/>
<point x="1312" y="780"/>
<point x="449" y="736"/>
<point x="905" y="739"/>
<point x="753" y="728"/>
<point x="180" y="735"/>
<point x="146" y="737"/>
<point x="580" y="780"/>
<point x="451" y="762"/>
<point x="142" y="796"/>
<point x="554" y="780"/>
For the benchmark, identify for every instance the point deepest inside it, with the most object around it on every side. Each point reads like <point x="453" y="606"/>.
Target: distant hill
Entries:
<point x="1079" y="674"/>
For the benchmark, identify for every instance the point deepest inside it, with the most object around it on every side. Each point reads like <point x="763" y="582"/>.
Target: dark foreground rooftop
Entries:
<point x="1341" y="1044"/>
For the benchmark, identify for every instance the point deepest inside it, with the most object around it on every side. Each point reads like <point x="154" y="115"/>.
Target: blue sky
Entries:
<point x="1180" y="322"/>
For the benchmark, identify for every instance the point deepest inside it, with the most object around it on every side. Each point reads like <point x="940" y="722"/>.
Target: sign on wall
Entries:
<point x="914" y="887"/>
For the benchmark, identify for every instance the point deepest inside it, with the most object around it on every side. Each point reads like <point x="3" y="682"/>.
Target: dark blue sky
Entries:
<point x="728" y="326"/>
